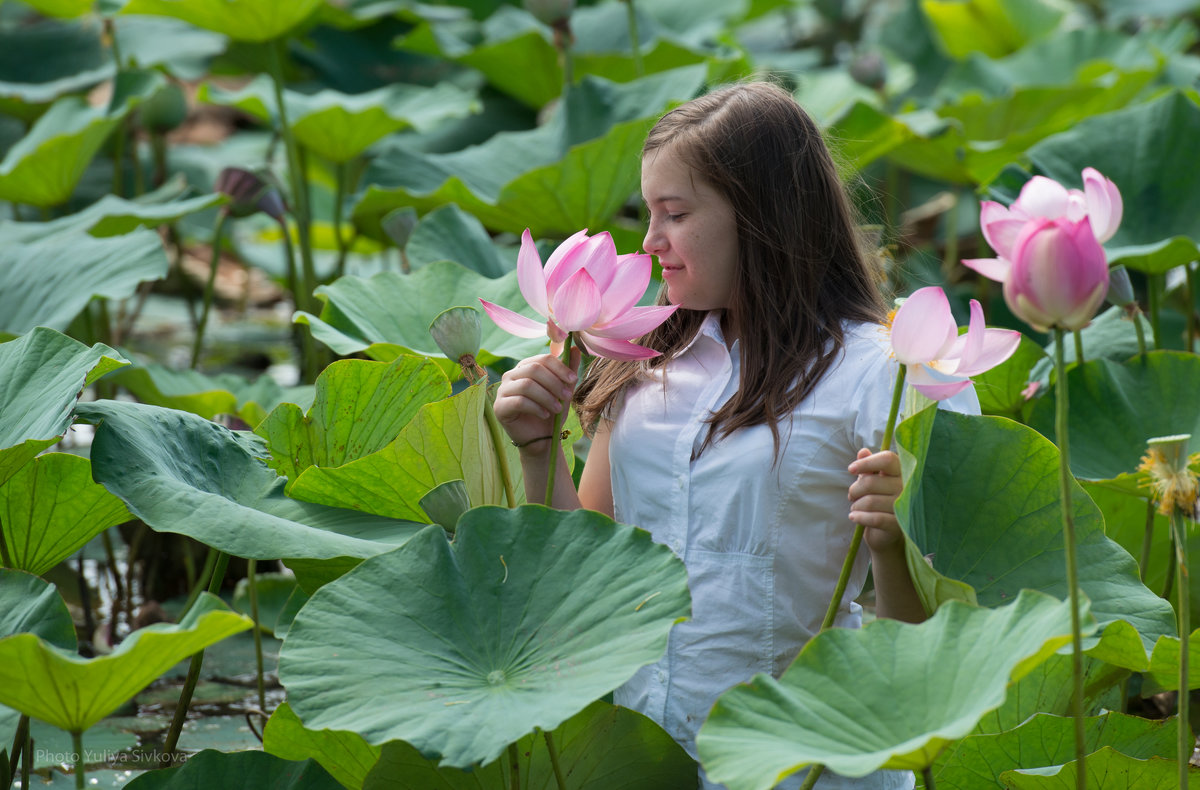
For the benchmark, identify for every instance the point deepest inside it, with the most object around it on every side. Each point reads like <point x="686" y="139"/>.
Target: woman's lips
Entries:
<point x="668" y="269"/>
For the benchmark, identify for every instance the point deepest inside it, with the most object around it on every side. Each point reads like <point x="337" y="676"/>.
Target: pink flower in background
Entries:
<point x="939" y="361"/>
<point x="1059" y="274"/>
<point x="1042" y="198"/>
<point x="586" y="288"/>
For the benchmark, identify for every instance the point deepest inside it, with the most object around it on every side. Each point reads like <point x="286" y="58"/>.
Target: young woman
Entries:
<point x="742" y="447"/>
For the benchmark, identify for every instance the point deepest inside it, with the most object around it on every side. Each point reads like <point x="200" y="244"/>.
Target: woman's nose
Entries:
<point x="653" y="242"/>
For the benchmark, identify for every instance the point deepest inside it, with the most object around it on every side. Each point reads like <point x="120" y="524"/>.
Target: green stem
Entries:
<point x="514" y="767"/>
<point x="210" y="562"/>
<point x="340" y="170"/>
<point x="556" y="433"/>
<point x="1147" y="539"/>
<point x="27" y="762"/>
<point x="1191" y="306"/>
<point x="135" y="159"/>
<point x="1169" y="584"/>
<point x="1078" y="346"/>
<point x="189" y="685"/>
<point x="158" y="148"/>
<point x="18" y="748"/>
<point x="856" y="540"/>
<point x="558" y="774"/>
<point x="222" y="217"/>
<point x="489" y="414"/>
<point x="1153" y="299"/>
<point x="252" y="584"/>
<point x="814" y="774"/>
<point x="1186" y="741"/>
<point x="77" y="744"/>
<point x="296" y="179"/>
<point x="1141" y="333"/>
<point x="1064" y="467"/>
<point x="927" y="776"/>
<point x="950" y="248"/>
<point x="634" y="39"/>
<point x="118" y="174"/>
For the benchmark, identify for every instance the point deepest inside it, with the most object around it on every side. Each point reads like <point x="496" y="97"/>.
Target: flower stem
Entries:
<point x="1153" y="299"/>
<point x="489" y="415"/>
<point x="222" y="217"/>
<point x="634" y="40"/>
<point x="80" y="763"/>
<point x="927" y="776"/>
<point x="553" y="751"/>
<point x="1147" y="540"/>
<point x="1078" y="346"/>
<point x="556" y="433"/>
<point x="814" y="774"/>
<point x="189" y="685"/>
<point x="1064" y="477"/>
<point x="514" y="767"/>
<point x="340" y="170"/>
<point x="1186" y="742"/>
<point x="856" y="540"/>
<point x="1141" y="333"/>
<point x="17" y="750"/>
<point x="1190" y="269"/>
<point x="252" y="584"/>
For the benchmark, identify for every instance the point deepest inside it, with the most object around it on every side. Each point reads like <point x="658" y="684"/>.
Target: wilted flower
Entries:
<point x="1059" y="274"/>
<point x="586" y="288"/>
<point x="939" y="361"/>
<point x="1172" y="483"/>
<point x="250" y="192"/>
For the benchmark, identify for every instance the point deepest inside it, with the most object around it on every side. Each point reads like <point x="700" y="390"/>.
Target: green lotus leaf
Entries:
<point x="983" y="501"/>
<point x="211" y="768"/>
<point x="44" y="166"/>
<point x="1163" y="674"/>
<point x="29" y="605"/>
<point x="1001" y="389"/>
<point x="576" y="171"/>
<point x="521" y="622"/>
<point x="451" y="234"/>
<point x="1050" y="740"/>
<point x="984" y="135"/>
<point x="447" y="440"/>
<point x="1063" y="59"/>
<point x="274" y="591"/>
<point x="1048" y="689"/>
<point x="1153" y="396"/>
<point x="253" y="21"/>
<point x="603" y="747"/>
<point x="1107" y="768"/>
<point x="1139" y="149"/>
<point x="208" y="396"/>
<point x="863" y="133"/>
<point x="858" y="700"/>
<point x="180" y="473"/>
<point x="345" y="755"/>
<point x="48" y="59"/>
<point x="518" y="56"/>
<point x="73" y="693"/>
<point x="359" y="408"/>
<point x="993" y="27"/>
<point x="389" y="314"/>
<point x="64" y="9"/>
<point x="172" y="44"/>
<point x="51" y="508"/>
<point x="47" y="282"/>
<point x="41" y="375"/>
<point x="339" y="126"/>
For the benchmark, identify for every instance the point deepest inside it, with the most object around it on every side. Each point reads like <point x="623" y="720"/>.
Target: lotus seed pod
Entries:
<point x="549" y="12"/>
<point x="164" y="111"/>
<point x="457" y="332"/>
<point x="870" y="69"/>
<point x="249" y="192"/>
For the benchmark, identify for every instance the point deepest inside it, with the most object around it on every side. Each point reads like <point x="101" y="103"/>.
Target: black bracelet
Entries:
<point x="562" y="435"/>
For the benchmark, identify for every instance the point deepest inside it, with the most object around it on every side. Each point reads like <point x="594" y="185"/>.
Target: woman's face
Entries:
<point x="692" y="232"/>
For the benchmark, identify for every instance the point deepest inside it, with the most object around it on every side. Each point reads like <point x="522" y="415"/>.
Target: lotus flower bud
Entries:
<point x="1059" y="274"/>
<point x="457" y="332"/>
<point x="446" y="503"/>
<point x="399" y="225"/>
<point x="163" y="111"/>
<point x="1120" y="288"/>
<point x="550" y="12"/>
<point x="869" y="69"/>
<point x="250" y="192"/>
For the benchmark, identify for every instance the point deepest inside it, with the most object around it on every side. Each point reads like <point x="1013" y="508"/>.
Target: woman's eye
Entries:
<point x="676" y="217"/>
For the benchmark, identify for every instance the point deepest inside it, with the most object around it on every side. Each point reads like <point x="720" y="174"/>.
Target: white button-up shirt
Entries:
<point x="763" y="543"/>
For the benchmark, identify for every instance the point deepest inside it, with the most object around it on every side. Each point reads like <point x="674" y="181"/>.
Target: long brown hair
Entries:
<point x="801" y="267"/>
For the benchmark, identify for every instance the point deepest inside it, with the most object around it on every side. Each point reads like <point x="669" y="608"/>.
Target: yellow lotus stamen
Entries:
<point x="1172" y="483"/>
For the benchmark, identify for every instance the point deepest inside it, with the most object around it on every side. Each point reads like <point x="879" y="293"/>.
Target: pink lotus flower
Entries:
<point x="1042" y="198"/>
<point x="586" y="288"/>
<point x="1059" y="274"/>
<point x="939" y="361"/>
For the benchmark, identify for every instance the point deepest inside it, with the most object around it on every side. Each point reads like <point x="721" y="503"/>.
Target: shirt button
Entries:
<point x="680" y="481"/>
<point x="677" y="545"/>
<point x="662" y="676"/>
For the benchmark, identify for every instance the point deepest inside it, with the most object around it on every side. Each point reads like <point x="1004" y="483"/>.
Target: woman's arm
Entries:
<point x="873" y="505"/>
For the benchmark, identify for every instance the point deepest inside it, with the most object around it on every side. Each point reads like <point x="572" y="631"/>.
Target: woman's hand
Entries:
<point x="873" y="499"/>
<point x="532" y="393"/>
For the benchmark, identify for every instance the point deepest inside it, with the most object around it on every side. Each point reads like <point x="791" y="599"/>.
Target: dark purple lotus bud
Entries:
<point x="550" y="12"/>
<point x="249" y="192"/>
<point x="870" y="69"/>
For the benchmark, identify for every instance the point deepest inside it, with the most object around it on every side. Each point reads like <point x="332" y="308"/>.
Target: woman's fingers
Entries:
<point x="538" y="386"/>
